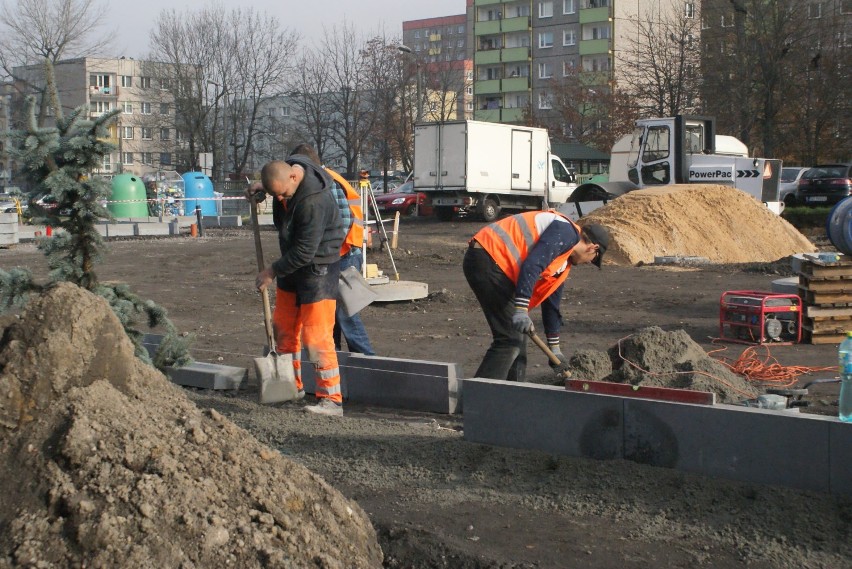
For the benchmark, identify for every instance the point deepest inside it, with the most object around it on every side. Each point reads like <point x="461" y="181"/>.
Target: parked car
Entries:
<point x="403" y="200"/>
<point x="9" y="203"/>
<point x="825" y="184"/>
<point x="790" y="183"/>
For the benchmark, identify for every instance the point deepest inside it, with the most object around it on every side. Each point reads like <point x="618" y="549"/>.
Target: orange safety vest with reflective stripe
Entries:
<point x="509" y="242"/>
<point x="355" y="236"/>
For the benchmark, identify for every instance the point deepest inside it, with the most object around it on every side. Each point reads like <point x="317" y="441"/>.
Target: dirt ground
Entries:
<point x="438" y="501"/>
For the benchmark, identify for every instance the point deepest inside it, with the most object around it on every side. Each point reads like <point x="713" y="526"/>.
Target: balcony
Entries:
<point x="489" y="115"/>
<point x="515" y="24"/>
<point x="515" y="54"/>
<point x="487" y="27"/>
<point x="594" y="47"/>
<point x="103" y="91"/>
<point x="512" y="115"/>
<point x="486" y="2"/>
<point x="591" y="15"/>
<point x="515" y="84"/>
<point x="487" y="57"/>
<point x="487" y="87"/>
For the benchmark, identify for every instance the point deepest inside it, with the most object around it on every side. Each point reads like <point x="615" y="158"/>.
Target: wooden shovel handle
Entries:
<point x="267" y="309"/>
<point x="547" y="351"/>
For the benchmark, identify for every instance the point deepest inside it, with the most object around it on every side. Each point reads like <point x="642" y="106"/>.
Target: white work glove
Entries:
<point x="521" y="321"/>
<point x="563" y="361"/>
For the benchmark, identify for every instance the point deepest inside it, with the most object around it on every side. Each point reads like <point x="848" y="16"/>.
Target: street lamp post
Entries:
<point x="220" y="158"/>
<point x="406" y="49"/>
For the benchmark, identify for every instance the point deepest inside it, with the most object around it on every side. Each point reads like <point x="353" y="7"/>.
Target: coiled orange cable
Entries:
<point x="765" y="369"/>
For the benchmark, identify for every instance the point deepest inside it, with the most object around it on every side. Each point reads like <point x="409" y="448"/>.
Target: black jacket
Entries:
<point x="309" y="230"/>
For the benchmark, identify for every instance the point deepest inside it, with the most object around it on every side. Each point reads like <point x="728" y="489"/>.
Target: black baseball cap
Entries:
<point x="598" y="235"/>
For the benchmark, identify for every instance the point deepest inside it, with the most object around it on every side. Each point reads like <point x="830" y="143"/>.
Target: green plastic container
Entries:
<point x="128" y="197"/>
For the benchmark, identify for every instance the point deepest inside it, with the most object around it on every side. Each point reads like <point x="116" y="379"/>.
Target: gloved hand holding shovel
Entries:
<point x="557" y="360"/>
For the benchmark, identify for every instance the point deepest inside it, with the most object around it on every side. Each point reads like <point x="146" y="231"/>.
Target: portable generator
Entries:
<point x="754" y="317"/>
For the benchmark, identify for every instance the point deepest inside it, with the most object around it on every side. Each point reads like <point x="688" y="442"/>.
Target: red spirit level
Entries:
<point x="753" y="317"/>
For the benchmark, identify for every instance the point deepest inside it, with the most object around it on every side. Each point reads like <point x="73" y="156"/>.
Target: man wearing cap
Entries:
<point x="516" y="264"/>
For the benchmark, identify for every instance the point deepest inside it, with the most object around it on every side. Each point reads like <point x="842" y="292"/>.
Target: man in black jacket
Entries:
<point x="309" y="236"/>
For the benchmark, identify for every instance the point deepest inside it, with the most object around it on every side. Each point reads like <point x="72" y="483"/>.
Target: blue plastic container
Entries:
<point x="128" y="193"/>
<point x="198" y="191"/>
<point x="839" y="226"/>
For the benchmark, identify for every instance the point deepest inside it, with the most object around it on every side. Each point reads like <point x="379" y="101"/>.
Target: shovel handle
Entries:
<point x="267" y="309"/>
<point x="547" y="351"/>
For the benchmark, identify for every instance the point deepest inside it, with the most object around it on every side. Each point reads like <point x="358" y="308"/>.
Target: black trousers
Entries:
<point x="506" y="358"/>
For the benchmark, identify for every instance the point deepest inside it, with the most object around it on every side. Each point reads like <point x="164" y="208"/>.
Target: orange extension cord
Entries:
<point x="765" y="369"/>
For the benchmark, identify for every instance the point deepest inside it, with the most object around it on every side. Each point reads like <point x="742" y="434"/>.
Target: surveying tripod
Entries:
<point x="368" y="200"/>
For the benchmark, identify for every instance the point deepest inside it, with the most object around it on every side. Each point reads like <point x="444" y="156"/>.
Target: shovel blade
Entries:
<point x="276" y="377"/>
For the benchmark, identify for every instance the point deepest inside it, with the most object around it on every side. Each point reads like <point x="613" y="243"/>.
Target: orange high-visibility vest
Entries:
<point x="355" y="236"/>
<point x="509" y="242"/>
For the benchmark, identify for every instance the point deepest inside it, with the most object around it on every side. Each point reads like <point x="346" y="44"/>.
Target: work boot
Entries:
<point x="299" y="395"/>
<point x="326" y="407"/>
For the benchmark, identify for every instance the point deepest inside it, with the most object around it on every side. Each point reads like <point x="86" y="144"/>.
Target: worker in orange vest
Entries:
<point x="518" y="263"/>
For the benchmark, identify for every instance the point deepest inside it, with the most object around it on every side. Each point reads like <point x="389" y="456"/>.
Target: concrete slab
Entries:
<point x="739" y="443"/>
<point x="309" y="373"/>
<point x="404" y="384"/>
<point x="152" y="229"/>
<point x="117" y="229"/>
<point x="808" y="452"/>
<point x="208" y="376"/>
<point x="222" y="221"/>
<point x="542" y="417"/>
<point x="400" y="290"/>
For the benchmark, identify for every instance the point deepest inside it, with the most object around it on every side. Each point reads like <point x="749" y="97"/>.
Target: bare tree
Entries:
<point x="309" y="86"/>
<point x="661" y="62"/>
<point x="34" y="31"/>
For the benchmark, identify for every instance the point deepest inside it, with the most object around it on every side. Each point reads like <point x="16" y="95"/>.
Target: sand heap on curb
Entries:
<point x="663" y="359"/>
<point x="106" y="464"/>
<point x="720" y="223"/>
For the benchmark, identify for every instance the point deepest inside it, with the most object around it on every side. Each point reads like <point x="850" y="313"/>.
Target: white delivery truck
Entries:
<point x="483" y="168"/>
<point x="681" y="150"/>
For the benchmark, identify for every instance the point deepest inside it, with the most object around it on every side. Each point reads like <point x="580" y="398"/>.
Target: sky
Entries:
<point x="133" y="21"/>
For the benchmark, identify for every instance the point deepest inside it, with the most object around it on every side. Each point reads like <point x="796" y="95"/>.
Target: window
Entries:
<point x="127" y="158"/>
<point x="147" y="158"/>
<point x="164" y="134"/>
<point x="178" y="136"/>
<point x="468" y="90"/>
<point x="126" y="81"/>
<point x="727" y="22"/>
<point x="146" y="108"/>
<point x="285" y="111"/>
<point x="545" y="70"/>
<point x="569" y="6"/>
<point x="147" y="133"/>
<point x="815" y="10"/>
<point x="461" y="29"/>
<point x="597" y="3"/>
<point x="545" y="39"/>
<point x="166" y="158"/>
<point x="127" y="132"/>
<point x="165" y="83"/>
<point x="544" y="101"/>
<point x="107" y="162"/>
<point x="145" y="82"/>
<point x="417" y="34"/>
<point x="99" y="80"/>
<point x="164" y="109"/>
<point x="598" y="32"/>
<point x="545" y="9"/>
<point x="459" y="43"/>
<point x="103" y="107"/>
<point x="689" y="10"/>
<point x="127" y="108"/>
<point x="568" y="67"/>
<point x="569" y="37"/>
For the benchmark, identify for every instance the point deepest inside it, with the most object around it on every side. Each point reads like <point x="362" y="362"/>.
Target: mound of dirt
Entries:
<point x="107" y="464"/>
<point x="658" y="358"/>
<point x="722" y="224"/>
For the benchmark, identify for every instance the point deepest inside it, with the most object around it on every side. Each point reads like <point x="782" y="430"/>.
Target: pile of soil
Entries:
<point x="719" y="223"/>
<point x="654" y="357"/>
<point x="107" y="464"/>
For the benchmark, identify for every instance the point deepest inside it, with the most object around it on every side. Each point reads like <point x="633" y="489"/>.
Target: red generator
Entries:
<point x="754" y="317"/>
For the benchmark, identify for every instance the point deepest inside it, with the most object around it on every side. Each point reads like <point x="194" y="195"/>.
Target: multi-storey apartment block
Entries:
<point x="144" y="132"/>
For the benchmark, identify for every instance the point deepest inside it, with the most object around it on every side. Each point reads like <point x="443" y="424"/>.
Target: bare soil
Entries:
<point x="436" y="500"/>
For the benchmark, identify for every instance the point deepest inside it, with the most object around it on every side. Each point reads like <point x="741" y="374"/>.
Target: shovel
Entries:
<point x="560" y="370"/>
<point x="274" y="372"/>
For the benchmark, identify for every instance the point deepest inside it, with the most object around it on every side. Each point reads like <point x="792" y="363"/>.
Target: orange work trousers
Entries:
<point x="313" y="324"/>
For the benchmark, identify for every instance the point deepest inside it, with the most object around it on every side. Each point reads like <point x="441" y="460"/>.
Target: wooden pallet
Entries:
<point x="825" y="285"/>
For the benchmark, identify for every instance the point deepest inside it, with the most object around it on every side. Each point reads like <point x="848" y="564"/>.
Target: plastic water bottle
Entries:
<point x="845" y="364"/>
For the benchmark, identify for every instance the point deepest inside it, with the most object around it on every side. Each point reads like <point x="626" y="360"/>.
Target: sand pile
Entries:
<point x="105" y="463"/>
<point x="663" y="359"/>
<point x="720" y="223"/>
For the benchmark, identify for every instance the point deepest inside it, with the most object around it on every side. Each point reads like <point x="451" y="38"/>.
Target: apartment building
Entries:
<point x="144" y="132"/>
<point x="522" y="48"/>
<point x="442" y="51"/>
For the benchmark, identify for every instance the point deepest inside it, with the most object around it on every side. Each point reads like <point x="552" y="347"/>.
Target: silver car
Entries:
<point x="789" y="182"/>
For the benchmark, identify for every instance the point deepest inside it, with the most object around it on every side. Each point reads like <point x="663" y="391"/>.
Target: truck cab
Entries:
<point x="683" y="150"/>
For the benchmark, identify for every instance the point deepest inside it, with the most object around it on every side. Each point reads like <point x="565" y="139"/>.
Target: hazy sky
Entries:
<point x="134" y="20"/>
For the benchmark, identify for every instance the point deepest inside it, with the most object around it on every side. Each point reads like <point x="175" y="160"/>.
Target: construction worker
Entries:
<point x="309" y="236"/>
<point x="350" y="328"/>
<point x="514" y="265"/>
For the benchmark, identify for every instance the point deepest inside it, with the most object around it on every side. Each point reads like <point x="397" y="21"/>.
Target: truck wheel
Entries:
<point x="490" y="210"/>
<point x="444" y="213"/>
<point x="410" y="210"/>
